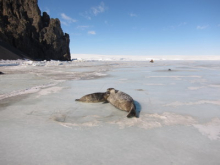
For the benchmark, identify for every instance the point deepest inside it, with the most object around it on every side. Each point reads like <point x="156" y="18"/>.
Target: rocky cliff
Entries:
<point x="37" y="36"/>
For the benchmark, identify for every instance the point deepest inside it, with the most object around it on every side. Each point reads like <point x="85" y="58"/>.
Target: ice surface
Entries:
<point x="179" y="123"/>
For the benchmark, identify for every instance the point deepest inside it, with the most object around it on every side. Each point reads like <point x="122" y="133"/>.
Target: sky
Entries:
<point x="139" y="27"/>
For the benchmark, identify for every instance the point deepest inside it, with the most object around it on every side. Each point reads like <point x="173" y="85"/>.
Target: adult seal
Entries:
<point x="94" y="97"/>
<point x="122" y="101"/>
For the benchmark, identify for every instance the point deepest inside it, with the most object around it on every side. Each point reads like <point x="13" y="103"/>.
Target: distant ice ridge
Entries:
<point x="46" y="63"/>
<point x="93" y="57"/>
<point x="96" y="58"/>
<point x="33" y="63"/>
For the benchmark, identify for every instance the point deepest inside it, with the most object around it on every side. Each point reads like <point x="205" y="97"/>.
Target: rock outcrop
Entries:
<point x="8" y="52"/>
<point x="37" y="36"/>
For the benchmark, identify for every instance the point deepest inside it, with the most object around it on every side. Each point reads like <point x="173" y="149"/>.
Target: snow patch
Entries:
<point x="48" y="91"/>
<point x="25" y="91"/>
<point x="195" y="88"/>
<point x="210" y="129"/>
<point x="178" y="103"/>
<point x="149" y="121"/>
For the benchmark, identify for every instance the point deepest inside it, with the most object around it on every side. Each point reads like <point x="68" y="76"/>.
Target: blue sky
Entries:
<point x="139" y="27"/>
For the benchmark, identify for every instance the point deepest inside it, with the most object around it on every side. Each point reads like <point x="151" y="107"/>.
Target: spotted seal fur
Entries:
<point x="93" y="97"/>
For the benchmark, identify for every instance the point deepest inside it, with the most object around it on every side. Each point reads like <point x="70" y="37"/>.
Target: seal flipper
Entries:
<point x="132" y="112"/>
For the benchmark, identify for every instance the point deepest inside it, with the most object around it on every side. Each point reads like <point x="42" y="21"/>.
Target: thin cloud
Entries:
<point x="86" y="15"/>
<point x="67" y="18"/>
<point x="94" y="11"/>
<point x="64" y="23"/>
<point x="202" y="27"/>
<point x="107" y="23"/>
<point x="75" y="34"/>
<point x="98" y="9"/>
<point x="92" y="32"/>
<point x="132" y="15"/>
<point x="83" y="27"/>
<point x="179" y="25"/>
<point x="182" y="23"/>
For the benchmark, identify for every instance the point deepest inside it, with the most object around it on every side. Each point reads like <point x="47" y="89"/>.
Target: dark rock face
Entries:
<point x="39" y="37"/>
<point x="8" y="52"/>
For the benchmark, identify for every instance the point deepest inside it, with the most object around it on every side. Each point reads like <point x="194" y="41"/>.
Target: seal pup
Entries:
<point x="94" y="97"/>
<point x="121" y="101"/>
